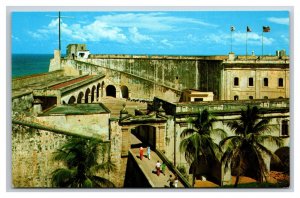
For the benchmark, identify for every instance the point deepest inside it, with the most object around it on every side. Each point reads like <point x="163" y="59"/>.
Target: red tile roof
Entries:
<point x="70" y="82"/>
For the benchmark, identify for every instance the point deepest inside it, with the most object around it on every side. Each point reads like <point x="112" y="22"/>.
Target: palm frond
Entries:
<point x="278" y="141"/>
<point x="262" y="173"/>
<point x="220" y="132"/>
<point x="262" y="126"/>
<point x="187" y="132"/>
<point x="101" y="182"/>
<point x="63" y="177"/>
<point x="87" y="183"/>
<point x="231" y="141"/>
<point x="107" y="166"/>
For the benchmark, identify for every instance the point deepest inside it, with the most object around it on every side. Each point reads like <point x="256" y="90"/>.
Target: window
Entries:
<point x="251" y="97"/>
<point x="236" y="81"/>
<point x="284" y="128"/>
<point x="280" y="82"/>
<point x="236" y="97"/>
<point x="198" y="99"/>
<point x="265" y="97"/>
<point x="250" y="81"/>
<point x="266" y="82"/>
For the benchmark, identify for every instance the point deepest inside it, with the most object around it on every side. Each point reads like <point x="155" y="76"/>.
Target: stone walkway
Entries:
<point x="115" y="105"/>
<point x="148" y="167"/>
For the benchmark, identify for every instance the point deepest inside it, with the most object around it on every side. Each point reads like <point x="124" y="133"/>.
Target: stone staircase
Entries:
<point x="115" y="105"/>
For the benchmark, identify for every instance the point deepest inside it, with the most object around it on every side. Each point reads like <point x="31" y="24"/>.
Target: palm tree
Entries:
<point x="81" y="157"/>
<point x="197" y="144"/>
<point x="245" y="151"/>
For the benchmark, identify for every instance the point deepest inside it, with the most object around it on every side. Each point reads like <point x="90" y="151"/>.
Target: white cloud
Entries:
<point x="120" y="27"/>
<point x="238" y="38"/>
<point x="151" y="21"/>
<point x="282" y="21"/>
<point x="192" y="38"/>
<point x="137" y="37"/>
<point x="35" y="35"/>
<point x="94" y="31"/>
<point x="166" y="42"/>
<point x="285" y="38"/>
<point x="15" y="38"/>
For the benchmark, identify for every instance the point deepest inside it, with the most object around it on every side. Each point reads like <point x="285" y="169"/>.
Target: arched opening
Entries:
<point x="207" y="169"/>
<point x="249" y="165"/>
<point x="111" y="91"/>
<point x="86" y="96"/>
<point x="93" y="94"/>
<point x="283" y="165"/>
<point x="64" y="102"/>
<point x="79" y="98"/>
<point x="72" y="100"/>
<point x="146" y="136"/>
<point x="125" y="92"/>
<point x="98" y="90"/>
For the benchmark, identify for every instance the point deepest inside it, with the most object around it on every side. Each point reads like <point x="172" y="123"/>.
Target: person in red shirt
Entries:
<point x="141" y="152"/>
<point x="157" y="166"/>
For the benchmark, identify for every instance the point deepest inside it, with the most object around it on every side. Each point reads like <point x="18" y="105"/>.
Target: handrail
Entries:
<point x="182" y="179"/>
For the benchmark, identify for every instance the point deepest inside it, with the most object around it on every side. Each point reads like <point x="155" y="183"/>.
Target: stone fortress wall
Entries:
<point x="146" y="77"/>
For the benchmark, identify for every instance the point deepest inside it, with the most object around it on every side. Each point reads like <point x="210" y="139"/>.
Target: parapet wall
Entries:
<point x="32" y="156"/>
<point x="36" y="78"/>
<point x="220" y="106"/>
<point x="32" y="152"/>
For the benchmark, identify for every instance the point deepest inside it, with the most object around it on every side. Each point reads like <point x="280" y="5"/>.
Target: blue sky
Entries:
<point x="163" y="32"/>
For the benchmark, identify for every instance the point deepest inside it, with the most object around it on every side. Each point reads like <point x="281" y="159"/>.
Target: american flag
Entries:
<point x="248" y="29"/>
<point x="266" y="29"/>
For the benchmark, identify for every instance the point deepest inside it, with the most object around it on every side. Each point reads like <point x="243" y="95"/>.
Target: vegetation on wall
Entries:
<point x="82" y="164"/>
<point x="244" y="152"/>
<point x="197" y="144"/>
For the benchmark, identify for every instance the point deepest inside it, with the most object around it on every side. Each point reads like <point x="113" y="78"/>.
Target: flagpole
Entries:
<point x="231" y="43"/>
<point x="246" y="44"/>
<point x="59" y="42"/>
<point x="262" y="44"/>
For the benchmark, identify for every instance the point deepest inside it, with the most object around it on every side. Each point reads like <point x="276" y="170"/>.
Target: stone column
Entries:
<point x="55" y="63"/>
<point x="95" y="96"/>
<point x="118" y="94"/>
<point x="90" y="98"/>
<point x="83" y="100"/>
<point x="160" y="138"/>
<point x="58" y="100"/>
<point x="125" y="141"/>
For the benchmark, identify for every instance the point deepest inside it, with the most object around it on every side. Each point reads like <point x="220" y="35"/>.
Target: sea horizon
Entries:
<point x="29" y="64"/>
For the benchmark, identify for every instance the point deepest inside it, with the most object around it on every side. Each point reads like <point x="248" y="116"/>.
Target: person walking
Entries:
<point x="163" y="168"/>
<point x="141" y="153"/>
<point x="157" y="166"/>
<point x="171" y="181"/>
<point x="148" y="152"/>
<point x="176" y="181"/>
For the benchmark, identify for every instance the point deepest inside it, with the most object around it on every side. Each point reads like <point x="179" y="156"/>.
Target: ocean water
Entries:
<point x="28" y="64"/>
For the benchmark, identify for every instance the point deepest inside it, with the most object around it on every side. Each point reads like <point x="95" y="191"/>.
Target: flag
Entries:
<point x="232" y="28"/>
<point x="266" y="29"/>
<point x="248" y="29"/>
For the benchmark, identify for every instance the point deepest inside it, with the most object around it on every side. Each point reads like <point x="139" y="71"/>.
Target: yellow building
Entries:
<point x="255" y="79"/>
